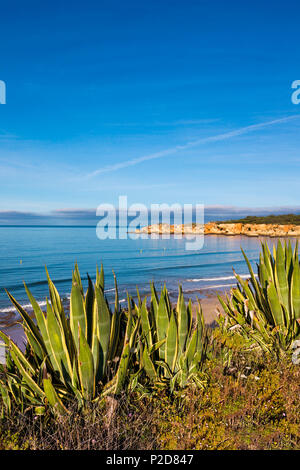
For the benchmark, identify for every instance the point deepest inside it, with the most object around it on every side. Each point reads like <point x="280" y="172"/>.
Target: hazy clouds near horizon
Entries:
<point x="88" y="216"/>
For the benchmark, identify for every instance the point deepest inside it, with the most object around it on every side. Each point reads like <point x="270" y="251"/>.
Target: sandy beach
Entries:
<point x="210" y="306"/>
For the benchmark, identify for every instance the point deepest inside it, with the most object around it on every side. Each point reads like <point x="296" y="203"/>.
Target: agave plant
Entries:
<point x="171" y="349"/>
<point x="267" y="307"/>
<point x="84" y="354"/>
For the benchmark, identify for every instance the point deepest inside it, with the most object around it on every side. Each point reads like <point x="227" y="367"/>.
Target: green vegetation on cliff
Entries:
<point x="283" y="219"/>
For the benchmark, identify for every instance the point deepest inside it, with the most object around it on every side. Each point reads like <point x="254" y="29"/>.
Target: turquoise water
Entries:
<point x="24" y="252"/>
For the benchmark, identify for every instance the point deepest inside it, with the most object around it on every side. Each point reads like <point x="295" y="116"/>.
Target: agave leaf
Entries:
<point x="156" y="346"/>
<point x="27" y="320"/>
<point x="263" y="275"/>
<point x="95" y="348"/>
<point x="191" y="349"/>
<point x="183" y="323"/>
<point x="59" y="311"/>
<point x="247" y="291"/>
<point x="281" y="277"/>
<point x="165" y="367"/>
<point x="135" y="330"/>
<point x="180" y="294"/>
<point x="60" y="353"/>
<point x="76" y="278"/>
<point x="154" y="301"/>
<point x="39" y="315"/>
<point x="34" y="344"/>
<point x="53" y="398"/>
<point x="167" y="300"/>
<point x="100" y="278"/>
<point x="129" y="319"/>
<point x="5" y="398"/>
<point x="118" y="383"/>
<point x="295" y="253"/>
<point x="117" y="303"/>
<point x="190" y="315"/>
<point x="139" y="297"/>
<point x="77" y="312"/>
<point x="86" y="367"/>
<point x="255" y="284"/>
<point x="275" y="306"/>
<point x="41" y="322"/>
<point x="122" y="369"/>
<point x="115" y="324"/>
<point x="225" y="305"/>
<point x="146" y="328"/>
<point x="89" y="306"/>
<point x="149" y="366"/>
<point x="102" y="318"/>
<point x="288" y="259"/>
<point x="26" y="376"/>
<point x="172" y="343"/>
<point x="201" y="332"/>
<point x="75" y="377"/>
<point x="162" y="323"/>
<point x="238" y="297"/>
<point x="54" y="295"/>
<point x="295" y="291"/>
<point x="268" y="261"/>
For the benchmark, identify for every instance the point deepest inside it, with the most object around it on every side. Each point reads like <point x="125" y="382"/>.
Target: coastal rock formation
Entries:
<point x="162" y="229"/>
<point x="253" y="230"/>
<point x="214" y="228"/>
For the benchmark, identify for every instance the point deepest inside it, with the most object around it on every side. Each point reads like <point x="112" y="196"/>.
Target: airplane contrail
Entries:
<point x="178" y="148"/>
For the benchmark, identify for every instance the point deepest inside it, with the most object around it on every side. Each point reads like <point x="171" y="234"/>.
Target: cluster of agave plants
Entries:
<point x="92" y="351"/>
<point x="266" y="308"/>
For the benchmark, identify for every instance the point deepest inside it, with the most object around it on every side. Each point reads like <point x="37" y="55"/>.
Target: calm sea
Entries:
<point x="24" y="252"/>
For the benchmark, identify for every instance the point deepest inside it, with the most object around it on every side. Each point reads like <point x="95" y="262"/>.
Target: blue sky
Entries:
<point x="162" y="101"/>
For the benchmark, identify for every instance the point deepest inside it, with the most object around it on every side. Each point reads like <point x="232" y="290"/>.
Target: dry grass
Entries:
<point x="112" y="425"/>
<point x="251" y="404"/>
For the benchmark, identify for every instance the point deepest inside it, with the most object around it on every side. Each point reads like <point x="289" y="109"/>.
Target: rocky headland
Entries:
<point x="217" y="228"/>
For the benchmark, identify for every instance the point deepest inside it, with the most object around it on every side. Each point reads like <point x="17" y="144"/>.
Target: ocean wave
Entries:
<point x="218" y="286"/>
<point x="43" y="303"/>
<point x="224" y="278"/>
<point x="24" y="306"/>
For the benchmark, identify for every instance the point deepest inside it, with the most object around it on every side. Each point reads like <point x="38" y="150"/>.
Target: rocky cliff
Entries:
<point x="214" y="228"/>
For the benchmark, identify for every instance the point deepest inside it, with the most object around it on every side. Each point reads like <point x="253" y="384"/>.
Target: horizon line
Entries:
<point x="81" y="212"/>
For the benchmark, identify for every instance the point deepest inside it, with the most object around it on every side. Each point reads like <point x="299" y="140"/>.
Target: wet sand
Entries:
<point x="210" y="306"/>
<point x="12" y="327"/>
<point x="210" y="303"/>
